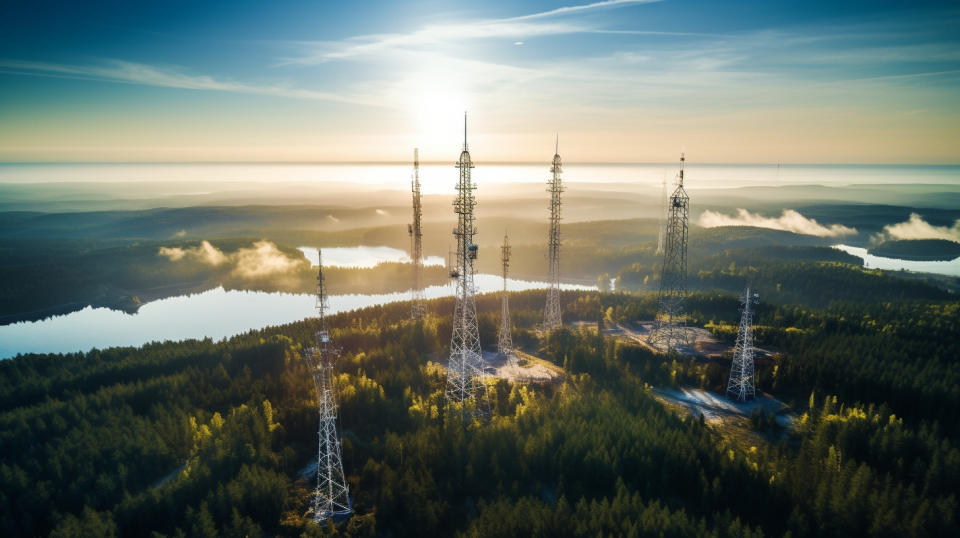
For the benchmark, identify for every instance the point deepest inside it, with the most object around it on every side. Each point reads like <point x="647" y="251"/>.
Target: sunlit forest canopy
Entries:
<point x="210" y="438"/>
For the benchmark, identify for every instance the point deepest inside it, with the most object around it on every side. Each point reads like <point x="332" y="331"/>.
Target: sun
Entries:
<point x="437" y="114"/>
<point x="434" y="109"/>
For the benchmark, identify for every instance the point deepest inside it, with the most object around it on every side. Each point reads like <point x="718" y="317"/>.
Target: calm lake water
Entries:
<point x="951" y="267"/>
<point x="362" y="256"/>
<point x="215" y="313"/>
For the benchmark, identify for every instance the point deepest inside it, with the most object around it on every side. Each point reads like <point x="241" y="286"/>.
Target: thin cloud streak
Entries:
<point x="511" y="27"/>
<point x="656" y="33"/>
<point x="119" y="71"/>
<point x="429" y="35"/>
<point x="567" y="10"/>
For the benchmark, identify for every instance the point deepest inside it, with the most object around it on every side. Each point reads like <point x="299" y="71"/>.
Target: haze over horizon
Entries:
<point x="622" y="81"/>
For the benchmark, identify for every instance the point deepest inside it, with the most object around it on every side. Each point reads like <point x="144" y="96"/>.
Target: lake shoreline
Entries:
<point x="215" y="313"/>
<point x="128" y="302"/>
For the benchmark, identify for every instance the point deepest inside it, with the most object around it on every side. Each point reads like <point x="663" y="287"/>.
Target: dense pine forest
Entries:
<point x="203" y="438"/>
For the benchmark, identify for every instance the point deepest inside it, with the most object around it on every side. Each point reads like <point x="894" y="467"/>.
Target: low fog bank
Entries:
<point x="261" y="260"/>
<point x="917" y="228"/>
<point x="585" y="198"/>
<point x="790" y="221"/>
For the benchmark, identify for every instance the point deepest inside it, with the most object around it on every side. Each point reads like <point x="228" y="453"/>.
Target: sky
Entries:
<point x="617" y="80"/>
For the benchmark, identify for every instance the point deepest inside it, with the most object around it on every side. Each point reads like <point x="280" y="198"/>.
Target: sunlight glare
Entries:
<point x="436" y="112"/>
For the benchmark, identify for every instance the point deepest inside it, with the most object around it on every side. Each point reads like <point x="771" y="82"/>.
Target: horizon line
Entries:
<point x="490" y="163"/>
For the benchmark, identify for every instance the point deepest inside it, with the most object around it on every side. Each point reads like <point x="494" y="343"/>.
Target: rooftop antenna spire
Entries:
<point x="465" y="148"/>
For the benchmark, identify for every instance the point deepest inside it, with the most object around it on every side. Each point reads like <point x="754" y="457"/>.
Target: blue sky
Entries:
<point x="620" y="80"/>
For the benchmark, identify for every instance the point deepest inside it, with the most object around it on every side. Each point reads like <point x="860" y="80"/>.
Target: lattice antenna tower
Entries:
<point x="551" y="314"/>
<point x="664" y="212"/>
<point x="465" y="374"/>
<point x="670" y="325"/>
<point x="417" y="307"/>
<point x="332" y="495"/>
<point x="742" y="384"/>
<point x="504" y="339"/>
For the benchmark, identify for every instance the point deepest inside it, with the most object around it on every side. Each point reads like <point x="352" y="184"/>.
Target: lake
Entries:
<point x="950" y="268"/>
<point x="216" y="313"/>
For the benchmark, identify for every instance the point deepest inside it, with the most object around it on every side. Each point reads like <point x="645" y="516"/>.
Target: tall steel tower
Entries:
<point x="332" y="495"/>
<point x="417" y="308"/>
<point x="551" y="314"/>
<point x="664" y="212"/>
<point x="465" y="375"/>
<point x="504" y="339"/>
<point x="670" y="328"/>
<point x="742" y="373"/>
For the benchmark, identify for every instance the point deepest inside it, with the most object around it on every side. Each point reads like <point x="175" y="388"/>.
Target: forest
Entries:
<point x="204" y="438"/>
<point x="52" y="264"/>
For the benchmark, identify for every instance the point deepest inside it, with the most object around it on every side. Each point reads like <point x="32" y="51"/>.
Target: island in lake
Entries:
<point x="918" y="249"/>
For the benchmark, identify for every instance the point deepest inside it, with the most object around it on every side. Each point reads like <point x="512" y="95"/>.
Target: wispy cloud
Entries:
<point x="568" y="10"/>
<point x="790" y="221"/>
<point x="657" y="33"/>
<point x="120" y="71"/>
<point x="366" y="45"/>
<point x="523" y="26"/>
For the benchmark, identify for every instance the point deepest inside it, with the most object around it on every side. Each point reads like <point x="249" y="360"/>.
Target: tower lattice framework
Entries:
<point x="742" y="383"/>
<point x="552" y="317"/>
<point x="670" y="324"/>
<point x="332" y="495"/>
<point x="417" y="307"/>
<point x="465" y="375"/>
<point x="504" y="338"/>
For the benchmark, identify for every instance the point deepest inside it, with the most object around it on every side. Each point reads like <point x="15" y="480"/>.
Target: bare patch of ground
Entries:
<point x="523" y="367"/>
<point x="636" y="334"/>
<point x="729" y="418"/>
<point x="714" y="407"/>
<point x="702" y="344"/>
